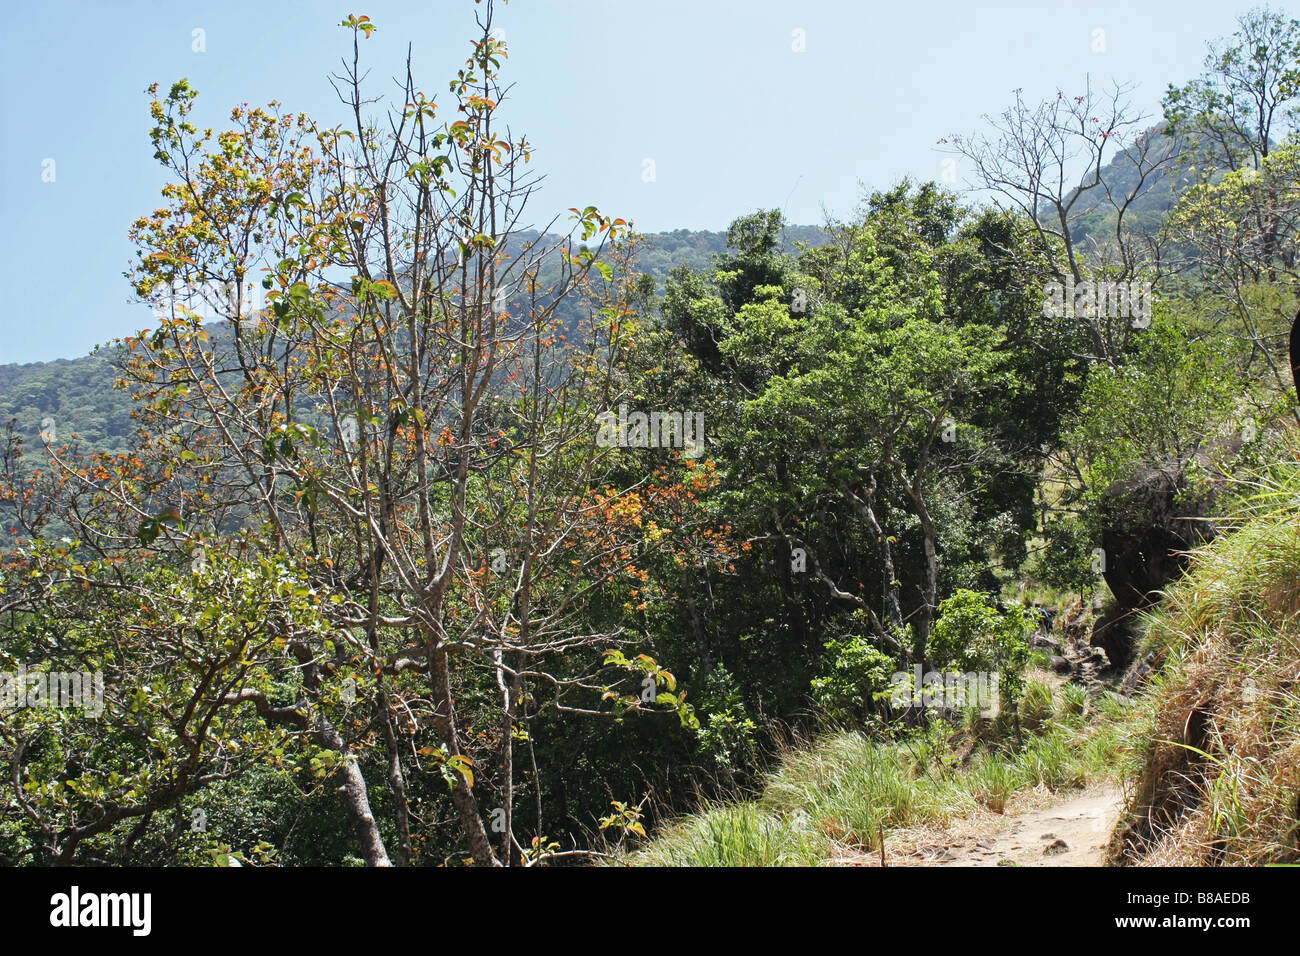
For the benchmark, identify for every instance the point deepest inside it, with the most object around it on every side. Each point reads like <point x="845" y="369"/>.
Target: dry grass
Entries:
<point x="1218" y="776"/>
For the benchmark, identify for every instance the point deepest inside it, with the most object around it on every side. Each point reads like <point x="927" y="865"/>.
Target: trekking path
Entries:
<point x="1036" y="830"/>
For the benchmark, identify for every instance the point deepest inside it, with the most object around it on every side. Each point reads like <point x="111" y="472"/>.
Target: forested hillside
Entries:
<point x="474" y="545"/>
<point x="74" y="396"/>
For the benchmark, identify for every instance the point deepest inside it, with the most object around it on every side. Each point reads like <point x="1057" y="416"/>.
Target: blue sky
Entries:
<point x="713" y="92"/>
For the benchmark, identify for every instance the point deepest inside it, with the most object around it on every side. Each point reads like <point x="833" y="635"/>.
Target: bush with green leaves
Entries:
<point x="1065" y="562"/>
<point x="1162" y="407"/>
<point x="972" y="634"/>
<point x="854" y="674"/>
<point x="728" y="735"/>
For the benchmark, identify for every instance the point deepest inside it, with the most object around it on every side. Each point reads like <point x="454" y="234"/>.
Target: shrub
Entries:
<point x="972" y="635"/>
<point x="855" y="674"/>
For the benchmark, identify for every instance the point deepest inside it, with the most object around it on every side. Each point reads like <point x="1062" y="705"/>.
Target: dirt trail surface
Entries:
<point x="1069" y="832"/>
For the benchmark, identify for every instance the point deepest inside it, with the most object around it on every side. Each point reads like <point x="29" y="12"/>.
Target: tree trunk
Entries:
<point x="471" y="822"/>
<point x="397" y="780"/>
<point x="356" y="797"/>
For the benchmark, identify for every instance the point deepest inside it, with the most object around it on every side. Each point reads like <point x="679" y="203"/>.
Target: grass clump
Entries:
<point x="841" y="793"/>
<point x="739" y="834"/>
<point x="1216" y="780"/>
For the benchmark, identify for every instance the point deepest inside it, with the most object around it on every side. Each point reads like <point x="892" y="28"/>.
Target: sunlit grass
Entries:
<point x="845" y="791"/>
<point x="1228" y="640"/>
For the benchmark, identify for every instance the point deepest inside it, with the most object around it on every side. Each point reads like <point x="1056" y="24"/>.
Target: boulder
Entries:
<point x="1149" y="525"/>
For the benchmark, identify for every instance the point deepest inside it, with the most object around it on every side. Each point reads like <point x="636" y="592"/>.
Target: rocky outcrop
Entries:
<point x="1149" y="525"/>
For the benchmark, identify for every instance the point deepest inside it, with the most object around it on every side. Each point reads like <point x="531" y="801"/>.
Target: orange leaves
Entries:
<point x="621" y="510"/>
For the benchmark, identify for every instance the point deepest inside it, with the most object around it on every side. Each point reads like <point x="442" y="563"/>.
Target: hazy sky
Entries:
<point x="733" y="116"/>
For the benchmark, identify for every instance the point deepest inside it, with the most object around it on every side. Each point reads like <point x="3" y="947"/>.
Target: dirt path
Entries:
<point x="1070" y="832"/>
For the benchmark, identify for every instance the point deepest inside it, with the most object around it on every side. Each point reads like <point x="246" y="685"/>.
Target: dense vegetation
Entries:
<point x="504" y="546"/>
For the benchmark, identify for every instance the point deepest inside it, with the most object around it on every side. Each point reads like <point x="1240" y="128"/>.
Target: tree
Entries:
<point x="864" y="410"/>
<point x="1241" y="237"/>
<point x="1239" y="229"/>
<point x="1196" y="384"/>
<point x="841" y="380"/>
<point x="1044" y="166"/>
<point x="972" y="635"/>
<point x="412" y="416"/>
<point x="1249" y="85"/>
<point x="198" y="666"/>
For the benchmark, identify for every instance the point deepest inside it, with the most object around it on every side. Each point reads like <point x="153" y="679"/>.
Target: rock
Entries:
<point x="933" y="853"/>
<point x="1138" y="674"/>
<point x="1060" y="665"/>
<point x="1112" y="633"/>
<point x="1097" y="658"/>
<point x="1042" y="640"/>
<point x="1149" y="524"/>
<point x="1055" y="847"/>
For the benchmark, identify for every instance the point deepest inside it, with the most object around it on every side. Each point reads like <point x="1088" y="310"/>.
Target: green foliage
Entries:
<point x="164" y="662"/>
<point x="737" y="835"/>
<point x="727" y="735"/>
<point x="855" y="674"/>
<point x="971" y="634"/>
<point x="1159" y="408"/>
<point x="1250" y="81"/>
<point x="1065" y="561"/>
<point x="885" y="408"/>
<point x="837" y="796"/>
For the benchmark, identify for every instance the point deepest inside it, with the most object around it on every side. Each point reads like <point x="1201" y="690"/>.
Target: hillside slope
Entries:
<point x="1206" y="753"/>
<point x="931" y="797"/>
<point x="75" y="396"/>
<point x="1218" y="777"/>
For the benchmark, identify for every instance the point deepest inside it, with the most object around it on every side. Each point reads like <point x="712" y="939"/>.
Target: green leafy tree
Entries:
<point x="971" y="634"/>
<point x="1159" y="410"/>
<point x="1249" y="86"/>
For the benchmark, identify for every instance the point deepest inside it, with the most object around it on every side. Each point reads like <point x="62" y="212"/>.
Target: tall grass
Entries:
<point x="1228" y="638"/>
<point x="851" y="787"/>
<point x="738" y="834"/>
<point x="843" y="792"/>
